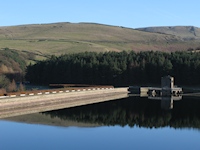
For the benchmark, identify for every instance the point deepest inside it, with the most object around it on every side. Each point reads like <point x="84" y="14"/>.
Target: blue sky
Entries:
<point x="127" y="13"/>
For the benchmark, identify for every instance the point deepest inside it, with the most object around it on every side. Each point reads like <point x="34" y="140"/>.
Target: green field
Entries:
<point x="62" y="38"/>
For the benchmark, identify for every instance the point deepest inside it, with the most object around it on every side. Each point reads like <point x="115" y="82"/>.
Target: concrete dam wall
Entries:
<point x="41" y="102"/>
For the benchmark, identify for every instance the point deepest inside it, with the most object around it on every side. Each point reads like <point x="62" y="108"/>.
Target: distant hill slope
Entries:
<point x="43" y="40"/>
<point x="184" y="32"/>
<point x="46" y="119"/>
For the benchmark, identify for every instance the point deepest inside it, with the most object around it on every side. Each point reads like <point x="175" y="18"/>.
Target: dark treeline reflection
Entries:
<point x="136" y="111"/>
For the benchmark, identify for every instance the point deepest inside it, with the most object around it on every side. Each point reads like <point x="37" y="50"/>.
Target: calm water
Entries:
<point x="131" y="123"/>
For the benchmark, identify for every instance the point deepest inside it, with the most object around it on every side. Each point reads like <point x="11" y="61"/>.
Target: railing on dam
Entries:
<point x="53" y="91"/>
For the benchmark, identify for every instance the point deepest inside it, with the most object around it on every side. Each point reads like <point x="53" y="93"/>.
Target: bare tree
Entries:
<point x="21" y="87"/>
<point x="12" y="87"/>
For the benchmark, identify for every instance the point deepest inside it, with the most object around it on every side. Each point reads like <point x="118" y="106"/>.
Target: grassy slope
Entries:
<point x="61" y="38"/>
<point x="184" y="32"/>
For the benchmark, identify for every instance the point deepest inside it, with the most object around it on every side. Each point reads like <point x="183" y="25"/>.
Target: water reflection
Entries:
<point x="166" y="101"/>
<point x="142" y="112"/>
<point x="142" y="120"/>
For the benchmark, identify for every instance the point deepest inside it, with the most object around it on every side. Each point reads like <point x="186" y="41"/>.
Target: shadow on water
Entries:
<point x="139" y="111"/>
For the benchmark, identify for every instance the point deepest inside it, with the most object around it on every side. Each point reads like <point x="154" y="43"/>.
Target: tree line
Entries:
<point x="117" y="68"/>
<point x="135" y="111"/>
<point x="12" y="69"/>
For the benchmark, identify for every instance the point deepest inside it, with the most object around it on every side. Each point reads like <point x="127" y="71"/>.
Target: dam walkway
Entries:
<point x="13" y="105"/>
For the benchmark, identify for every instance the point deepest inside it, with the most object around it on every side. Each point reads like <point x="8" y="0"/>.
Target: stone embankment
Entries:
<point x="14" y="105"/>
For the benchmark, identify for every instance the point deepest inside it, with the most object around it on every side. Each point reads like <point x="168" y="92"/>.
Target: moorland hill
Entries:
<point x="61" y="38"/>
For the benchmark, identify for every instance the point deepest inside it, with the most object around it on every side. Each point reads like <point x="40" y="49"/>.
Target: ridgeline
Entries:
<point x="62" y="38"/>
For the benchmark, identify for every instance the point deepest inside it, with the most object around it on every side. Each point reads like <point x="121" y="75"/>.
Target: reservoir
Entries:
<point x="129" y="123"/>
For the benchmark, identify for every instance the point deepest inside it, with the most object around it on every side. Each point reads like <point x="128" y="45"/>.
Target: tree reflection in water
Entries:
<point x="142" y="112"/>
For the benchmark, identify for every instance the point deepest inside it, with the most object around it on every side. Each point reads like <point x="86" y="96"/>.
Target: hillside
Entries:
<point x="46" y="119"/>
<point x="61" y="38"/>
<point x="184" y="32"/>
